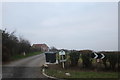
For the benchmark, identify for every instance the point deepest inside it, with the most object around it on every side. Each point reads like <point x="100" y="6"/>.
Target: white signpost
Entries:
<point x="62" y="54"/>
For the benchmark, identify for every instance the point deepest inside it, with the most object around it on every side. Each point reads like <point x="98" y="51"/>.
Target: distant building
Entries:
<point x="42" y="47"/>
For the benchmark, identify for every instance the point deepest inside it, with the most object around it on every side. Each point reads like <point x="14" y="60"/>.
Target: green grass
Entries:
<point x="80" y="74"/>
<point x="16" y="57"/>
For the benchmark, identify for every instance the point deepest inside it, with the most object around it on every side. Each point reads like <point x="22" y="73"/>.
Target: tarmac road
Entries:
<point x="25" y="68"/>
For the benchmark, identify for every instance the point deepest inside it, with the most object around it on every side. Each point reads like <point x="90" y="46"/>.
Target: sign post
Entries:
<point x="62" y="55"/>
<point x="63" y="64"/>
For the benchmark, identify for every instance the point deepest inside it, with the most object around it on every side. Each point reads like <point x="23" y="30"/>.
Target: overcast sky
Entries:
<point x="80" y="25"/>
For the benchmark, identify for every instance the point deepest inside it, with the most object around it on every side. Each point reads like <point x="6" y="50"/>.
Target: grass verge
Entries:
<point x="16" y="57"/>
<point x="80" y="74"/>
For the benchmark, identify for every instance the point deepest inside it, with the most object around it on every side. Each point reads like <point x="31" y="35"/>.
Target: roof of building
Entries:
<point x="40" y="45"/>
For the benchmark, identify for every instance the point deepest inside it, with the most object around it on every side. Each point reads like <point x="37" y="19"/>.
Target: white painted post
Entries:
<point x="63" y="62"/>
<point x="62" y="53"/>
<point x="24" y="53"/>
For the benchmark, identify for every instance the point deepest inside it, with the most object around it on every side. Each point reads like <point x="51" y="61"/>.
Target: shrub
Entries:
<point x="86" y="60"/>
<point x="74" y="57"/>
<point x="11" y="45"/>
<point x="118" y="61"/>
<point x="113" y="59"/>
<point x="5" y="54"/>
<point x="105" y="61"/>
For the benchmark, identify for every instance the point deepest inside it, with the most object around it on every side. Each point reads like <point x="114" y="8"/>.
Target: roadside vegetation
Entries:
<point x="80" y="64"/>
<point x="14" y="47"/>
<point x="83" y="59"/>
<point x="80" y="74"/>
<point x="16" y="57"/>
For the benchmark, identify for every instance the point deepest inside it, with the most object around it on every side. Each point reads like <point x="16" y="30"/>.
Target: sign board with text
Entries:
<point x="62" y="58"/>
<point x="62" y="52"/>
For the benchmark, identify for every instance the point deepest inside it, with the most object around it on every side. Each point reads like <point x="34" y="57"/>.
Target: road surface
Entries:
<point x="25" y="68"/>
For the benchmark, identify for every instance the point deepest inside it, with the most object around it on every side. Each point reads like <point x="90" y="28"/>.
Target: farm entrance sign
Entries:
<point x="62" y="58"/>
<point x="62" y="52"/>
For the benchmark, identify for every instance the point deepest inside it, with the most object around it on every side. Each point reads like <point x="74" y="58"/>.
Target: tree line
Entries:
<point x="13" y="45"/>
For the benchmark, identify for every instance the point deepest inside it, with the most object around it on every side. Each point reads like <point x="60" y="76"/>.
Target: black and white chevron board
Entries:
<point x="97" y="55"/>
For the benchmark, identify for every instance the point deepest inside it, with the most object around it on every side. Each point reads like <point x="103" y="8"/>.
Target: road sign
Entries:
<point x="102" y="56"/>
<point x="62" y="52"/>
<point x="94" y="55"/>
<point x="97" y="55"/>
<point x="62" y="60"/>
